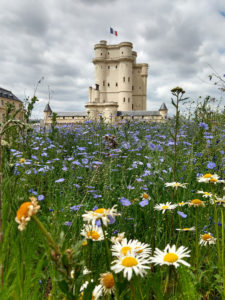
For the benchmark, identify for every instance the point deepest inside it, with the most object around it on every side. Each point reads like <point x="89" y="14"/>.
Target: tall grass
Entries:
<point x="74" y="169"/>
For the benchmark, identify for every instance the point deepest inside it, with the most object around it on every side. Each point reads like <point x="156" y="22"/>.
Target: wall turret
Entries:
<point x="47" y="113"/>
<point x="163" y="111"/>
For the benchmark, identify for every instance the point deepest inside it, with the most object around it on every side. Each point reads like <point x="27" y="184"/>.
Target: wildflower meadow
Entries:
<point x="127" y="211"/>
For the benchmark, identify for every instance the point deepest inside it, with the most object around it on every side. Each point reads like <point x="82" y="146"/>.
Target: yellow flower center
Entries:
<point x="213" y="180"/>
<point x="196" y="202"/>
<point x="181" y="203"/>
<point x="93" y="234"/>
<point x="100" y="211"/>
<point x="23" y="210"/>
<point x="125" y="249"/>
<point x="139" y="250"/>
<point x="177" y="184"/>
<point x="84" y="243"/>
<point x="207" y="194"/>
<point x="186" y="229"/>
<point x="207" y="175"/>
<point x="206" y="237"/>
<point x="129" y="262"/>
<point x="145" y="196"/>
<point x="165" y="207"/>
<point x="22" y="160"/>
<point x="108" y="281"/>
<point x="170" y="257"/>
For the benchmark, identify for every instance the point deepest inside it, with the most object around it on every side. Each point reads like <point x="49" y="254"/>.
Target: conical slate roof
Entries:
<point x="163" y="107"/>
<point x="47" y="108"/>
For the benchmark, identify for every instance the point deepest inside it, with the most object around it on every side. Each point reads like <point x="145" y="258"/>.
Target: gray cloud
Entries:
<point x="55" y="39"/>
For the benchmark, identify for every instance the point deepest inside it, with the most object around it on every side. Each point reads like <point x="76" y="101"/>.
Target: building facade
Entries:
<point x="120" y="90"/>
<point x="7" y="97"/>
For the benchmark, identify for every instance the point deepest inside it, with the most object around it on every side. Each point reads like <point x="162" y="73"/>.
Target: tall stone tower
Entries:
<point x="120" y="83"/>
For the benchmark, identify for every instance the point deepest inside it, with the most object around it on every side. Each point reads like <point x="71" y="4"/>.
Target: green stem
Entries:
<point x="106" y="246"/>
<point x="46" y="234"/>
<point x="222" y="265"/>
<point x="196" y="236"/>
<point x="217" y="230"/>
<point x="133" y="290"/>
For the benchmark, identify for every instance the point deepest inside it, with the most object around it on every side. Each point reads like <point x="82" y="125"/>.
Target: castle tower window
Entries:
<point x="103" y="83"/>
<point x="108" y="53"/>
<point x="132" y="87"/>
<point x="108" y="84"/>
<point x="101" y="53"/>
<point x="128" y="100"/>
<point x="123" y="99"/>
<point x="128" y="79"/>
<point x="108" y="67"/>
<point x="116" y="84"/>
<point x="132" y="106"/>
<point x="116" y="67"/>
<point x="63" y="118"/>
<point x="122" y="52"/>
<point x="123" y="79"/>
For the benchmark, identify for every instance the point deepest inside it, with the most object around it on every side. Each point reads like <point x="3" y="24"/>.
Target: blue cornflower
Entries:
<point x="41" y="197"/>
<point x="180" y="213"/>
<point x="60" y="180"/>
<point x="129" y="187"/>
<point x="211" y="165"/>
<point x="68" y="223"/>
<point x="143" y="203"/>
<point x="203" y="125"/>
<point x="125" y="202"/>
<point x="76" y="207"/>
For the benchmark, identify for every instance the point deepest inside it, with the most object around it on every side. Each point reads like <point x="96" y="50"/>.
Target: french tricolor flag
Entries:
<point x="112" y="31"/>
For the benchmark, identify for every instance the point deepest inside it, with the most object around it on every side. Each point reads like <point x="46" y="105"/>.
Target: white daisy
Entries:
<point x="107" y="282"/>
<point x="165" y="207"/>
<point x="25" y="211"/>
<point x="220" y="201"/>
<point x="117" y="238"/>
<point x="205" y="194"/>
<point x="207" y="239"/>
<point x="145" y="196"/>
<point x="182" y="203"/>
<point x="85" y="285"/>
<point x="186" y="229"/>
<point x="176" y="185"/>
<point x="92" y="232"/>
<point x="97" y="292"/>
<point x="171" y="256"/>
<point x="196" y="203"/>
<point x="132" y="246"/>
<point x="100" y="213"/>
<point x="213" y="178"/>
<point x="129" y="264"/>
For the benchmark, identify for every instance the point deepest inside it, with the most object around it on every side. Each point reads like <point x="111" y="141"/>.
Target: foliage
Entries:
<point x="81" y="167"/>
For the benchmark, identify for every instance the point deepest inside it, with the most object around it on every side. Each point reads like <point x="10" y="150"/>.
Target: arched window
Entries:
<point x="103" y="83"/>
<point x="123" y="79"/>
<point x="123" y="99"/>
<point x="108" y="84"/>
<point x="116" y="84"/>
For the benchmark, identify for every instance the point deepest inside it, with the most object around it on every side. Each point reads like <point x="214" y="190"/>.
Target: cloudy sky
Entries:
<point x="182" y="41"/>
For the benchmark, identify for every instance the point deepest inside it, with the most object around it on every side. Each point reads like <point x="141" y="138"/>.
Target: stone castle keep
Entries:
<point x="120" y="90"/>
